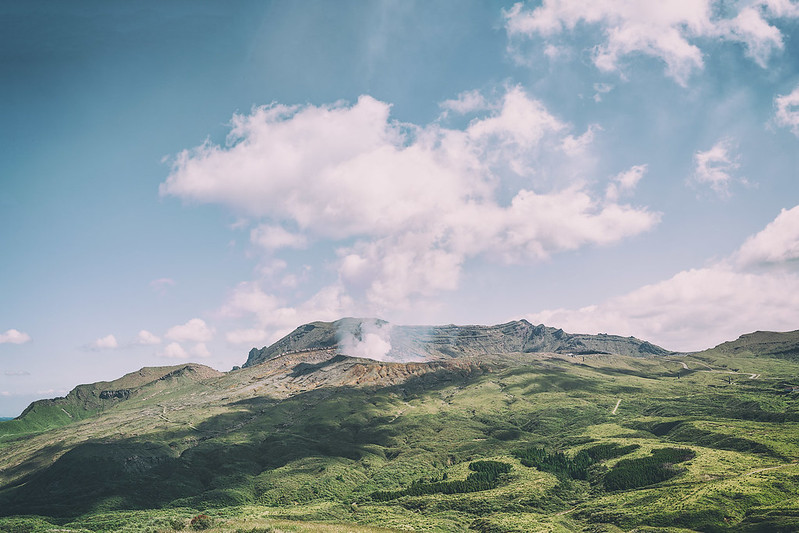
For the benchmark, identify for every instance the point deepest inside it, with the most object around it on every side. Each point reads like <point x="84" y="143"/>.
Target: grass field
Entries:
<point x="257" y="449"/>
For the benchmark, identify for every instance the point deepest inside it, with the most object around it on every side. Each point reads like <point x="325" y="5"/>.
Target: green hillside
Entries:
<point x="516" y="441"/>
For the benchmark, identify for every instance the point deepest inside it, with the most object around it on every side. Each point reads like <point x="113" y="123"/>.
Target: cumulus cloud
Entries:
<point x="466" y="102"/>
<point x="407" y="205"/>
<point x="716" y="167"/>
<point x="173" y="350"/>
<point x="698" y="308"/>
<point x="109" y="342"/>
<point x="275" y="237"/>
<point x="247" y="336"/>
<point x="145" y="337"/>
<point x="195" y="330"/>
<point x="777" y="243"/>
<point x="275" y="317"/>
<point x="787" y="114"/>
<point x="200" y="350"/>
<point x="669" y="30"/>
<point x="13" y="336"/>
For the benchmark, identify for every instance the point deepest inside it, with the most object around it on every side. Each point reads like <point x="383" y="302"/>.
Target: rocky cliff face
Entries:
<point x="380" y="340"/>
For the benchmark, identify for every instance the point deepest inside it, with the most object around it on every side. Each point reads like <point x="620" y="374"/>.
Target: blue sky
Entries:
<point x="187" y="180"/>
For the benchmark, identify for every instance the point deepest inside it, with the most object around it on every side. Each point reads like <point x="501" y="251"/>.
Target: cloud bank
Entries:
<point x="757" y="287"/>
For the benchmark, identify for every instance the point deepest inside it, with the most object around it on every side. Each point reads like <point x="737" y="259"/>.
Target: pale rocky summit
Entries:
<point x="427" y="343"/>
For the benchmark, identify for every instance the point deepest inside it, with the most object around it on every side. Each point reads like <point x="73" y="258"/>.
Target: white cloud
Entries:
<point x="160" y="285"/>
<point x="407" y="205"/>
<point x="195" y="330"/>
<point x="624" y="182"/>
<point x="13" y="336"/>
<point x="466" y="102"/>
<point x="715" y="167"/>
<point x="108" y="342"/>
<point x="787" y="114"/>
<point x="693" y="310"/>
<point x="576" y="146"/>
<point x="520" y="121"/>
<point x="250" y="337"/>
<point x="698" y="308"/>
<point x="274" y="318"/>
<point x="777" y="243"/>
<point x="275" y="237"/>
<point x="174" y="350"/>
<point x="200" y="350"/>
<point x="601" y="88"/>
<point x="249" y="298"/>
<point x="670" y="30"/>
<point x="749" y="27"/>
<point x="145" y="337"/>
<point x="272" y="267"/>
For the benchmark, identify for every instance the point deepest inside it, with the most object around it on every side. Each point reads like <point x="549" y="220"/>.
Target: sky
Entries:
<point x="183" y="181"/>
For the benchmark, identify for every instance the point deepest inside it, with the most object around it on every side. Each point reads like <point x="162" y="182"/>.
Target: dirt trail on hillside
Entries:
<point x="769" y="468"/>
<point x="715" y="371"/>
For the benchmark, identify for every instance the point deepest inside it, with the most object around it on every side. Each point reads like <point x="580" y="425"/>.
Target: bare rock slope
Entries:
<point x="355" y="336"/>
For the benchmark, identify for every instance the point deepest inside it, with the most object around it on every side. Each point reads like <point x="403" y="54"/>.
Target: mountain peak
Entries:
<point x="375" y="338"/>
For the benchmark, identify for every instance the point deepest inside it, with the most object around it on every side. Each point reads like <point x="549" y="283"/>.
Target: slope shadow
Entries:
<point x="219" y="457"/>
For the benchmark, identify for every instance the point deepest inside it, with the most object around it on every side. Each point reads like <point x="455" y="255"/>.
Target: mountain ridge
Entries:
<point x="355" y="336"/>
<point x="85" y="400"/>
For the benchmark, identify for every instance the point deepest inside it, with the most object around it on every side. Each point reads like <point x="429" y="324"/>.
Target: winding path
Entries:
<point x="711" y="369"/>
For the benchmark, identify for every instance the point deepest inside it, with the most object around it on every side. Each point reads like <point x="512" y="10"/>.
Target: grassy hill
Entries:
<point x="513" y="441"/>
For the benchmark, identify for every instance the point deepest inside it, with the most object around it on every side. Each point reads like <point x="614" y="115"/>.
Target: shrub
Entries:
<point x="634" y="473"/>
<point x="557" y="463"/>
<point x="576" y="467"/>
<point x="201" y="521"/>
<point x="484" y="476"/>
<point x="602" y="452"/>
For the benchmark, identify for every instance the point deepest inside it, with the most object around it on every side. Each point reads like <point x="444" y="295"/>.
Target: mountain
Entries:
<point x="765" y="344"/>
<point x="424" y="343"/>
<point x="85" y="401"/>
<point x="504" y="428"/>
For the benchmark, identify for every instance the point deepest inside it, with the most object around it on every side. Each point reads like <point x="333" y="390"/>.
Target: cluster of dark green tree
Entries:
<point x="576" y="467"/>
<point x="484" y="476"/>
<point x="634" y="473"/>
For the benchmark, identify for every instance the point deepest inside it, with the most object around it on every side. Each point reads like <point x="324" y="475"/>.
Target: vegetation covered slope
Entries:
<point x="595" y="442"/>
<point x="86" y="401"/>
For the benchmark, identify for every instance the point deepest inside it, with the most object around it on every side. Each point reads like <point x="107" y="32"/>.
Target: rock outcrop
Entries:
<point x="351" y="336"/>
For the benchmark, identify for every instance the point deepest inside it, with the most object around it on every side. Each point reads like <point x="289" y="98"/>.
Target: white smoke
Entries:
<point x="370" y="339"/>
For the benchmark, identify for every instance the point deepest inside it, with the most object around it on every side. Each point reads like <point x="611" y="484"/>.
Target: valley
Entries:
<point x="306" y="437"/>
